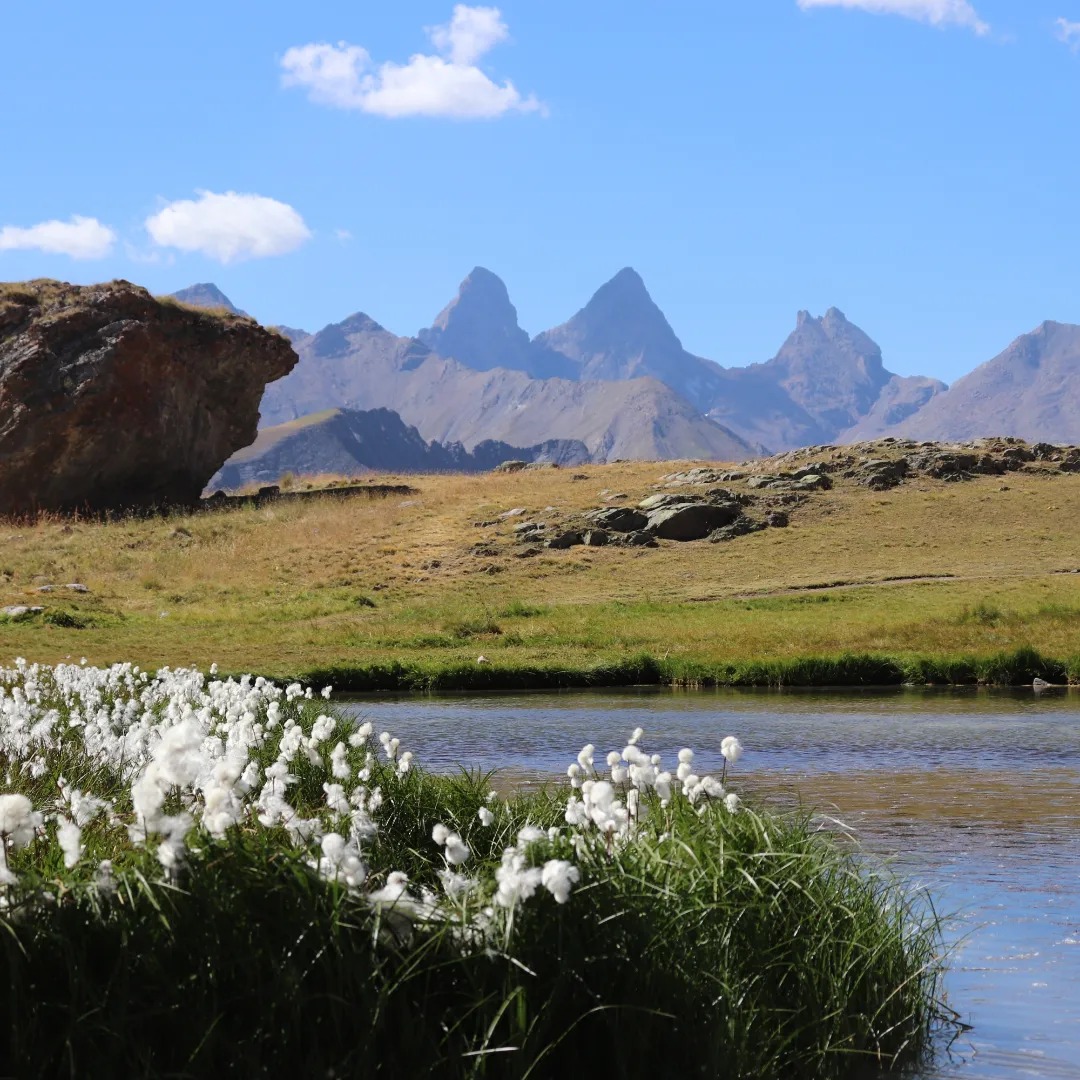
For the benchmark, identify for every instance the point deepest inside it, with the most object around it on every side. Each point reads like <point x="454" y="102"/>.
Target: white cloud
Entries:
<point x="229" y="227"/>
<point x="447" y="85"/>
<point x="470" y="33"/>
<point x="79" y="238"/>
<point x="1069" y="32"/>
<point x="935" y="12"/>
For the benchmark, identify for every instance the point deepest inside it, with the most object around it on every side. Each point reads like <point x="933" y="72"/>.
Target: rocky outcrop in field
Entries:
<point x="113" y="400"/>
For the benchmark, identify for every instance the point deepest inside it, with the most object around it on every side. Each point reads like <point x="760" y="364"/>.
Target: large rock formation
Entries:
<point x="111" y="399"/>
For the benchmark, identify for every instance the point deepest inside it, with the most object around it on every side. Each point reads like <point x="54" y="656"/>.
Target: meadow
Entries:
<point x="931" y="580"/>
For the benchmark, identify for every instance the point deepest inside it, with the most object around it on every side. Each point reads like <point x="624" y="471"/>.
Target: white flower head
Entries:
<point x="558" y="877"/>
<point x="69" y="837"/>
<point x="731" y="748"/>
<point x="19" y="821"/>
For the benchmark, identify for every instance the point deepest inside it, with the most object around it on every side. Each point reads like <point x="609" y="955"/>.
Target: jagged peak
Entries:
<point x="481" y="292"/>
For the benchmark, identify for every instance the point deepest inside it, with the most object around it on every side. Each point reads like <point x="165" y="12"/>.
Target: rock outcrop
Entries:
<point x="111" y="399"/>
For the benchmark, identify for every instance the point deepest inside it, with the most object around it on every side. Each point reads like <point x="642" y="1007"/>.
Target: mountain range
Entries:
<point x="616" y="377"/>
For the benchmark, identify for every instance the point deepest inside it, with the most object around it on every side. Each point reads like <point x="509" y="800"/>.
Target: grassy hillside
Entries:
<point x="415" y="585"/>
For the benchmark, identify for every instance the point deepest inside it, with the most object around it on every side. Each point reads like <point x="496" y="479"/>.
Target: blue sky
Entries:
<point x="913" y="162"/>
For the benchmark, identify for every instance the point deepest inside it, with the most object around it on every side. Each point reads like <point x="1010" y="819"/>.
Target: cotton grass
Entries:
<point x="225" y="875"/>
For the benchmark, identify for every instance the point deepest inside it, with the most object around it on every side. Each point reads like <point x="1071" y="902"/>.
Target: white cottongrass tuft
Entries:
<point x="559" y="877"/>
<point x="69" y="837"/>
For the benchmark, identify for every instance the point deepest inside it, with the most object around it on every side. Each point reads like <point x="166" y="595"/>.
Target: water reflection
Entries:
<point x="974" y="794"/>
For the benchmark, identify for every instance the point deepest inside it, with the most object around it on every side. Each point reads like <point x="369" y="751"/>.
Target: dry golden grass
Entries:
<point x="292" y="586"/>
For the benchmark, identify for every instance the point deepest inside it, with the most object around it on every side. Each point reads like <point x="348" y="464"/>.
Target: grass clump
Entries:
<point x="209" y="876"/>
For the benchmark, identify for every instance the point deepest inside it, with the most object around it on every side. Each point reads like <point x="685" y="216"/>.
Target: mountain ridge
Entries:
<point x="475" y="374"/>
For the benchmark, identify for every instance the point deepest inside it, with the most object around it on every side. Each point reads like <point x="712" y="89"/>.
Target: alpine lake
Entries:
<point x="971" y="795"/>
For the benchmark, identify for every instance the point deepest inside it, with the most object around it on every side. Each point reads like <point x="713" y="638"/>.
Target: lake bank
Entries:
<point x="1018" y="668"/>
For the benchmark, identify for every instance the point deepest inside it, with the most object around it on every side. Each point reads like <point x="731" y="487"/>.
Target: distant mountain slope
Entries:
<point x="206" y="295"/>
<point x="347" y="442"/>
<point x="1031" y="390"/>
<point x="358" y="364"/>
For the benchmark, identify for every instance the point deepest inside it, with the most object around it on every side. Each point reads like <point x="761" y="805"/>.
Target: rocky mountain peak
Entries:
<point x="479" y="326"/>
<point x="206" y="295"/>
<point x="830" y="369"/>
<point x="619" y="333"/>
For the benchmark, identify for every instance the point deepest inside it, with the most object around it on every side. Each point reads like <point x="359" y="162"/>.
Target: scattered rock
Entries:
<point x="15" y="612"/>
<point x="776" y="519"/>
<point x="565" y="540"/>
<point x="528" y="529"/>
<point x="580" y="476"/>
<point x="511" y="466"/>
<point x="640" y="539"/>
<point x="517" y="511"/>
<point x="740" y="527"/>
<point x="667" y="498"/>
<point x="620" y="519"/>
<point x="596" y="538"/>
<point x="881" y="474"/>
<point x="45" y="588"/>
<point x="542" y="465"/>
<point x="76" y="587"/>
<point x="691" y="521"/>
<point x="700" y="475"/>
<point x="268" y="491"/>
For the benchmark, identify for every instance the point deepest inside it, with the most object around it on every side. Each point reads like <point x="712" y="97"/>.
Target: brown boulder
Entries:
<point x="112" y="400"/>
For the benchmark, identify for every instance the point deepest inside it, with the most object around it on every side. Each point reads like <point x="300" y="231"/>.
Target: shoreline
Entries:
<point x="1017" y="668"/>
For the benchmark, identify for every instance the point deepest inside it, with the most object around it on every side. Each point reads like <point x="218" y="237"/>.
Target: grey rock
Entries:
<point x="667" y="498"/>
<point x="740" y="527"/>
<point x="776" y="519"/>
<point x="565" y="540"/>
<point x="517" y="511"/>
<point x="691" y="521"/>
<point x="620" y="519"/>
<point x="77" y="587"/>
<point x="511" y="466"/>
<point x="15" y="612"/>
<point x="596" y="538"/>
<point x="640" y="539"/>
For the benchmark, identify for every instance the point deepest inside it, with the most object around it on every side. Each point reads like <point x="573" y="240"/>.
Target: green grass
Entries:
<point x="702" y="941"/>
<point x="1013" y="668"/>
<point x="736" y="945"/>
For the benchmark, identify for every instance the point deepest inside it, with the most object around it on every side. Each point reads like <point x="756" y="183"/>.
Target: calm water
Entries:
<point x="975" y="795"/>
